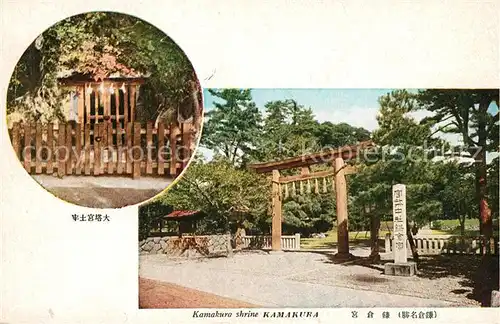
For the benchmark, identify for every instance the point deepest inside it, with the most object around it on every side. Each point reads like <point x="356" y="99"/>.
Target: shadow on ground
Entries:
<point x="479" y="273"/>
<point x="359" y="242"/>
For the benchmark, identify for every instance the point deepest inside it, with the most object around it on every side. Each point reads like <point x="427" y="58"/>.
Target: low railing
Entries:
<point x="288" y="242"/>
<point x="448" y="244"/>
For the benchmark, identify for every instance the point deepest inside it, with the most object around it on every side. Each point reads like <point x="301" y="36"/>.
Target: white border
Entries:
<point x="54" y="270"/>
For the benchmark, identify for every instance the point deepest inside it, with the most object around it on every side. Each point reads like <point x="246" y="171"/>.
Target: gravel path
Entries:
<point x="300" y="279"/>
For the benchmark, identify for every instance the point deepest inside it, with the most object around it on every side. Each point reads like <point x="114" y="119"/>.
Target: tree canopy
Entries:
<point x="408" y="151"/>
<point x="99" y="44"/>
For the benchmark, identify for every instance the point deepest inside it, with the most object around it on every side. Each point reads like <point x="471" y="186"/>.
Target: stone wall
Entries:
<point x="187" y="246"/>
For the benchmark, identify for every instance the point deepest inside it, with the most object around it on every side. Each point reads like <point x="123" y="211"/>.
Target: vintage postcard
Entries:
<point x="249" y="162"/>
<point x="369" y="205"/>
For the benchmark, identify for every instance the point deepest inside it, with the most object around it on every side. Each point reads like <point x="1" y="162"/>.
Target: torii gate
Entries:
<point x="337" y="158"/>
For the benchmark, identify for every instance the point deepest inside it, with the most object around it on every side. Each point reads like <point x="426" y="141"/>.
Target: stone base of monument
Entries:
<point x="495" y="298"/>
<point x="406" y="269"/>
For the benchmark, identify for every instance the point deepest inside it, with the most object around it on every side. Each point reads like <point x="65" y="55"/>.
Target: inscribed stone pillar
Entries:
<point x="401" y="266"/>
<point x="342" y="218"/>
<point x="399" y="218"/>
<point x="276" y="216"/>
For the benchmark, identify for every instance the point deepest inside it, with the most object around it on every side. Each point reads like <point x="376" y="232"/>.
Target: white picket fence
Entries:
<point x="288" y="242"/>
<point x="448" y="244"/>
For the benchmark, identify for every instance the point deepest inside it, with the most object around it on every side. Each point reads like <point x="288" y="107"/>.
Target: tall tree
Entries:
<point x="466" y="112"/>
<point x="336" y="135"/>
<point x="233" y="126"/>
<point x="221" y="191"/>
<point x="401" y="157"/>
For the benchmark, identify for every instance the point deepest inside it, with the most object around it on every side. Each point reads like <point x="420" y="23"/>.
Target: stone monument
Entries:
<point x="401" y="266"/>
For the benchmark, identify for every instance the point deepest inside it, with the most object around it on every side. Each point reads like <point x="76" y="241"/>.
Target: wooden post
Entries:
<point x="27" y="147"/>
<point x="119" y="148"/>
<point x="87" y="103"/>
<point x="128" y="138"/>
<point x="149" y="147"/>
<point x="137" y="151"/>
<point x="69" y="148"/>
<point x="110" y="147"/>
<point x="342" y="218"/>
<point x="50" y="148"/>
<point x="87" y="148"/>
<point x="78" y="148"/>
<point x="97" y="148"/>
<point x="81" y="102"/>
<point x="306" y="171"/>
<point x="96" y="115"/>
<point x="173" y="150"/>
<point x="133" y="99"/>
<point x="125" y="107"/>
<point x="61" y="165"/>
<point x="161" y="148"/>
<point x="276" y="205"/>
<point x="117" y="107"/>
<point x="106" y="102"/>
<point x="38" y="148"/>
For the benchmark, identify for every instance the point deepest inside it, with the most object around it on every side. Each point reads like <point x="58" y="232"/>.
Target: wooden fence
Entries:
<point x="101" y="149"/>
<point x="448" y="244"/>
<point x="288" y="242"/>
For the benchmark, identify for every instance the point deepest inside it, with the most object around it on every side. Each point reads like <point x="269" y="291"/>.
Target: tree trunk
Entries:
<point x="374" y="235"/>
<point x="412" y="243"/>
<point x="486" y="223"/>
<point x="462" y="225"/>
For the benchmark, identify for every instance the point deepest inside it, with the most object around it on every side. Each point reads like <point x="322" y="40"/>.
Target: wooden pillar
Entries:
<point x="81" y="103"/>
<point x="87" y="92"/>
<point x="276" y="205"/>
<point x="106" y="95"/>
<point x="133" y="101"/>
<point x="342" y="218"/>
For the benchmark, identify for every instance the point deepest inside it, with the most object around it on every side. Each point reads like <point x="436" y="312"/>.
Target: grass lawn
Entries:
<point x="363" y="237"/>
<point x="331" y="240"/>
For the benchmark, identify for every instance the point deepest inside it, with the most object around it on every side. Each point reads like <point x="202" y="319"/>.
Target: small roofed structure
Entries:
<point x="106" y="98"/>
<point x="186" y="220"/>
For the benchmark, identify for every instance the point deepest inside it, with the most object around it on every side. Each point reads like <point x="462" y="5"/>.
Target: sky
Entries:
<point x="357" y="107"/>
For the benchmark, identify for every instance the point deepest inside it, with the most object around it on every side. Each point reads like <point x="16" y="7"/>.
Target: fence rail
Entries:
<point x="288" y="242"/>
<point x="449" y="244"/>
<point x="102" y="148"/>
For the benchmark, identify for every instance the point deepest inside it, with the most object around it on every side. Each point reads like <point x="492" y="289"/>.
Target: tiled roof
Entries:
<point x="182" y="213"/>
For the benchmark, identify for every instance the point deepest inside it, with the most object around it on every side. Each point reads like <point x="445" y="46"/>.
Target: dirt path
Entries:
<point x="156" y="294"/>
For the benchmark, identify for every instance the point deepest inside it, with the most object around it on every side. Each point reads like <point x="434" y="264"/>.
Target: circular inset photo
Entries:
<point x="104" y="110"/>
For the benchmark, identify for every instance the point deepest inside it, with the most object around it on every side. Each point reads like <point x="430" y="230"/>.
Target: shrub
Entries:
<point x="437" y="225"/>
